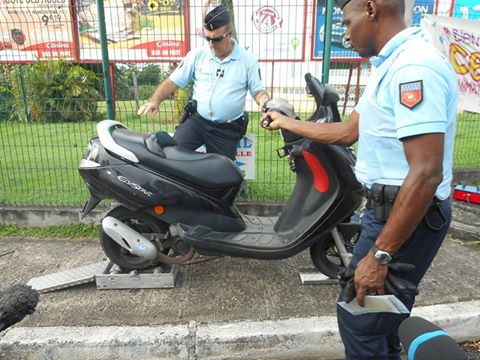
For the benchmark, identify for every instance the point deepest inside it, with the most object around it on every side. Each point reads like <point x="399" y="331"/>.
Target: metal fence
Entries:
<point x="49" y="109"/>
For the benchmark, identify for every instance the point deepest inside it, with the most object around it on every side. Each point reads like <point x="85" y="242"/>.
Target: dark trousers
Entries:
<point x="217" y="138"/>
<point x="374" y="335"/>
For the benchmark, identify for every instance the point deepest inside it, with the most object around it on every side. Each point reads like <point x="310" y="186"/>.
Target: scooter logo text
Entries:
<point x="134" y="186"/>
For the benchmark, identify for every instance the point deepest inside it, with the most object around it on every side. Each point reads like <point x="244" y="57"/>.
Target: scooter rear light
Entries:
<point x="159" y="209"/>
<point x="87" y="164"/>
<point x="321" y="182"/>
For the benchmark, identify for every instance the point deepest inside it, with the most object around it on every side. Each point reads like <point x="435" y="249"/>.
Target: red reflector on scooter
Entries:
<point x="320" y="176"/>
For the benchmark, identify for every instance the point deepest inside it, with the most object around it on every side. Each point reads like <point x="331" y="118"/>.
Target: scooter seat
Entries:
<point x="206" y="170"/>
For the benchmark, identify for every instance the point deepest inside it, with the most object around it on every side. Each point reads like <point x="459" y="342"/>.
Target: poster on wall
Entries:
<point x="35" y="29"/>
<point x="466" y="9"/>
<point x="272" y="32"/>
<point x="459" y="41"/>
<point x="340" y="49"/>
<point x="137" y="30"/>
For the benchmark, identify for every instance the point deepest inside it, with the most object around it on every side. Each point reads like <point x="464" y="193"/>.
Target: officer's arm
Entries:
<point x="261" y="98"/>
<point x="164" y="90"/>
<point x="424" y="154"/>
<point x="340" y="133"/>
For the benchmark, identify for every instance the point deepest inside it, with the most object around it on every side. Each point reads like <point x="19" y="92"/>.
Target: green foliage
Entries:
<point x="150" y="75"/>
<point x="62" y="92"/>
<point x="12" y="93"/>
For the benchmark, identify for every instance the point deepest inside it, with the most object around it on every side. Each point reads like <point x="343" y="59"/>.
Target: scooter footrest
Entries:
<point x="259" y="234"/>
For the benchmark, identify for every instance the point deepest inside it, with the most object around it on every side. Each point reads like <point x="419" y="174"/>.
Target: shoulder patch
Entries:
<point x="411" y="93"/>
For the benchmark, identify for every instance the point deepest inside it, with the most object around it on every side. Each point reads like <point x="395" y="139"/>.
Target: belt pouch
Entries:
<point x="378" y="202"/>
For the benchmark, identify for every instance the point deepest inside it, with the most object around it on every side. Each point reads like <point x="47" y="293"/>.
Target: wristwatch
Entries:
<point x="382" y="257"/>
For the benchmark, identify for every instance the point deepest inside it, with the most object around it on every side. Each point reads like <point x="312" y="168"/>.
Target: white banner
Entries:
<point x="459" y="40"/>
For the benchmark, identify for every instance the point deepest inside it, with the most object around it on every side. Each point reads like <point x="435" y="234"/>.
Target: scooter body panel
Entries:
<point x="141" y="189"/>
<point x="311" y="212"/>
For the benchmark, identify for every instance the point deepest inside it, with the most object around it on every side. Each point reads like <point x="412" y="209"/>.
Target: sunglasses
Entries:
<point x="216" y="39"/>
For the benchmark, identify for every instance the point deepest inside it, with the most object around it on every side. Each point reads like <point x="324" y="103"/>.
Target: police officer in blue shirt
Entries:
<point x="222" y="75"/>
<point x="404" y="124"/>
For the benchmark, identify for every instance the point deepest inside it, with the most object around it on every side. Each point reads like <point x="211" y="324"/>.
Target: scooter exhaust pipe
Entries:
<point x="128" y="238"/>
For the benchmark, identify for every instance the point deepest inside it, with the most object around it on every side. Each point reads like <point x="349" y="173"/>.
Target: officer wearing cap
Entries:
<point x="404" y="124"/>
<point x="222" y="73"/>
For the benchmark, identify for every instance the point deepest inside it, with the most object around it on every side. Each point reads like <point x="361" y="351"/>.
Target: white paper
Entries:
<point x="375" y="304"/>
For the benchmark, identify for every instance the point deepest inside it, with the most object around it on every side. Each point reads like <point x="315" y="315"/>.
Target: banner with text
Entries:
<point x="459" y="40"/>
<point x="137" y="30"/>
<point x="31" y="29"/>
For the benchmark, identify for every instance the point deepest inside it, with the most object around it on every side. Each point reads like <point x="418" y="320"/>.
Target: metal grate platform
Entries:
<point x="106" y="278"/>
<point x="158" y="279"/>
<point x="72" y="277"/>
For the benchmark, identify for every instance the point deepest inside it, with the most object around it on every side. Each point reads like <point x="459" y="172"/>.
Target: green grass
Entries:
<point x="57" y="232"/>
<point x="38" y="162"/>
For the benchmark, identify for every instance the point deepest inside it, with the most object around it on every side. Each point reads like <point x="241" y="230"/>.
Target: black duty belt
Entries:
<point x="238" y="125"/>
<point x="382" y="197"/>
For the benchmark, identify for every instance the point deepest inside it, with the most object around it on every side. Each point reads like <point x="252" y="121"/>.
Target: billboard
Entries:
<point x="35" y="29"/>
<point x="459" y="41"/>
<point x="271" y="32"/>
<point x="339" y="48"/>
<point x="137" y="30"/>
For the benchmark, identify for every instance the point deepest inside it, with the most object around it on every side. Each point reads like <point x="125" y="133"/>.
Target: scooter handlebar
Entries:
<point x="266" y="122"/>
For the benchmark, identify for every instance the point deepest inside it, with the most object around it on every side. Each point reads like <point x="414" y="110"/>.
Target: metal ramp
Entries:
<point x="311" y="276"/>
<point x="106" y="276"/>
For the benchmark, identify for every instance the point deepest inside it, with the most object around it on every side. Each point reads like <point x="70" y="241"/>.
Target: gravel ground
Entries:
<point x="472" y="349"/>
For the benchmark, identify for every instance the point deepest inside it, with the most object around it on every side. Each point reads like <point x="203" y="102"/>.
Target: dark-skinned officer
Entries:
<point x="404" y="124"/>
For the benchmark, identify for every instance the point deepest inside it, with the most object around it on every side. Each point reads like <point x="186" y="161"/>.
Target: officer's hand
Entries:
<point x="264" y="105"/>
<point x="395" y="284"/>
<point x="273" y="120"/>
<point x="369" y="278"/>
<point x="148" y="108"/>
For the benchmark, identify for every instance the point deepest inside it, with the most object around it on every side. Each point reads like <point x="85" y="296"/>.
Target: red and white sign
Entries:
<point x="136" y="30"/>
<point x="35" y="29"/>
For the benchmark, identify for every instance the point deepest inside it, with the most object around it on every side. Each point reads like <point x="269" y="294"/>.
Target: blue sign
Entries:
<point x="340" y="49"/>
<point x="422" y="7"/>
<point x="467" y="9"/>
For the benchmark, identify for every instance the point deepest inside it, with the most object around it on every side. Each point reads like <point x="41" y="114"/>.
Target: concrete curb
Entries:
<point x="295" y="338"/>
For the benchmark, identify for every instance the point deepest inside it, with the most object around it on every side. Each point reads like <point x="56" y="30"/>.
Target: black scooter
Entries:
<point x="175" y="202"/>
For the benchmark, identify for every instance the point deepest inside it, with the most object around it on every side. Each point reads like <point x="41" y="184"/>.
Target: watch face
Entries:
<point x="383" y="257"/>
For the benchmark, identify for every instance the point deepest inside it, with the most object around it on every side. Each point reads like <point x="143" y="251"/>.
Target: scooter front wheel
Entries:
<point x="140" y="222"/>
<point x="325" y="255"/>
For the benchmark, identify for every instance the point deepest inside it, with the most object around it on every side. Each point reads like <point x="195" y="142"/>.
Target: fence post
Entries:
<point x="105" y="60"/>
<point x="24" y="94"/>
<point x="327" y="41"/>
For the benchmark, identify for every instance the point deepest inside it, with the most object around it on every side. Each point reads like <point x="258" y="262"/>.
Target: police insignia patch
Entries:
<point x="411" y="93"/>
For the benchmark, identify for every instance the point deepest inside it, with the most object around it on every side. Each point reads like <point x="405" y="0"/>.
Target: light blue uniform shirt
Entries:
<point x="219" y="98"/>
<point x="407" y="58"/>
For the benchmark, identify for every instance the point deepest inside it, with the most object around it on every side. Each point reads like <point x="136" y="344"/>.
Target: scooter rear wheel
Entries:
<point x="141" y="222"/>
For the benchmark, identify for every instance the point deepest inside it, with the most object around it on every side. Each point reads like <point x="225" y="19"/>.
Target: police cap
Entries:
<point x="216" y="18"/>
